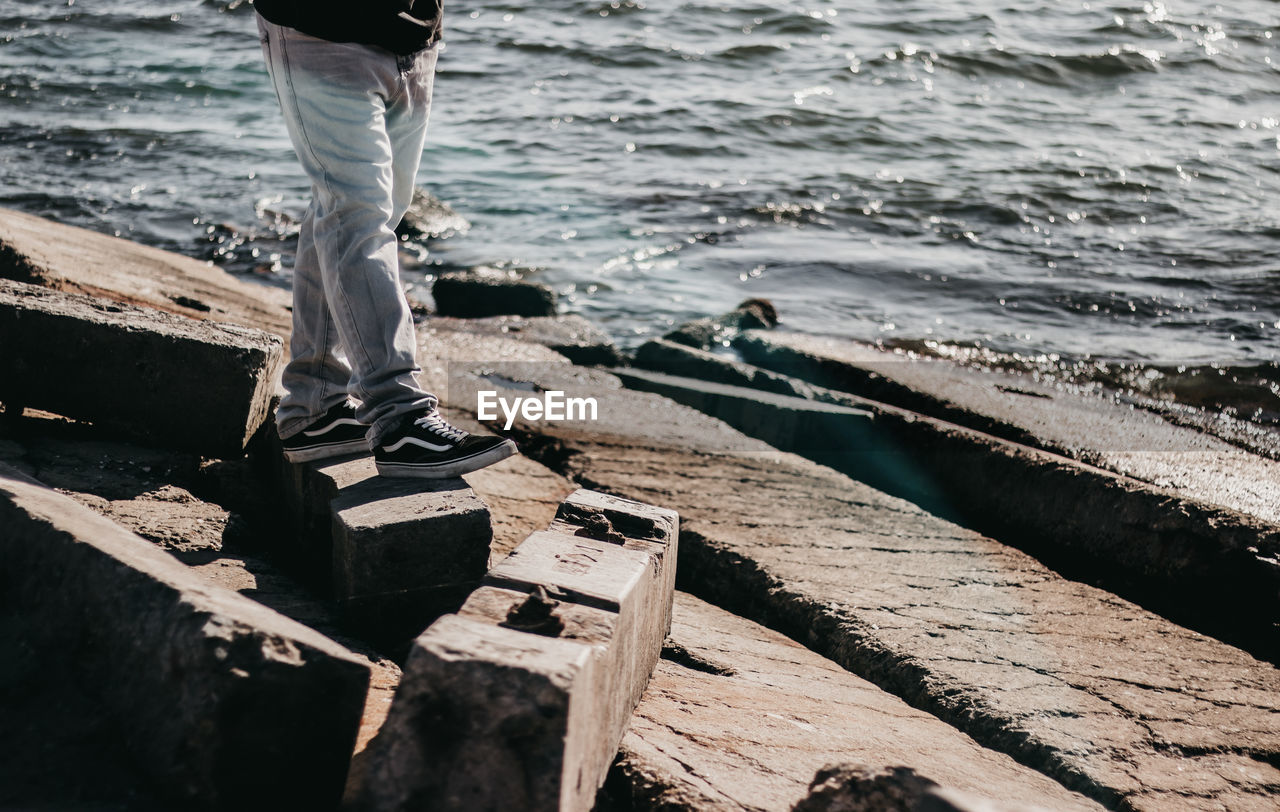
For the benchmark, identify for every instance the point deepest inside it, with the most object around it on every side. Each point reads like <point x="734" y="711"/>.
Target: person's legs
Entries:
<point x="342" y="103"/>
<point x="316" y="377"/>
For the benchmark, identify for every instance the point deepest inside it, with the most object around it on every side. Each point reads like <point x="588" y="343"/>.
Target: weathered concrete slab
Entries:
<point x="75" y="260"/>
<point x="571" y="335"/>
<point x="519" y="700"/>
<point x="225" y="704"/>
<point x="738" y="717"/>
<point x="213" y="516"/>
<point x="1110" y="699"/>
<point x="1081" y="425"/>
<point x="807" y="427"/>
<point x="483" y="292"/>
<point x="165" y="379"/>
<point x="397" y="553"/>
<point x="1206" y="566"/>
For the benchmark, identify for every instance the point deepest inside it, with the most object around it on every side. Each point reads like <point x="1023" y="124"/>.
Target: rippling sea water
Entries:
<point x="1059" y="184"/>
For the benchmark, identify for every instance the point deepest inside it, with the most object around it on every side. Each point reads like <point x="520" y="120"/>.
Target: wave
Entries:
<point x="1061" y="70"/>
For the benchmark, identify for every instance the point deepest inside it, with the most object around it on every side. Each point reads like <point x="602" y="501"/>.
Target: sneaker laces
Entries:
<point x="433" y="422"/>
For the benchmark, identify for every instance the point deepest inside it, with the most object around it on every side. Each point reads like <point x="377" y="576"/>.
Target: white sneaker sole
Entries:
<point x="321" y="452"/>
<point x="452" y="468"/>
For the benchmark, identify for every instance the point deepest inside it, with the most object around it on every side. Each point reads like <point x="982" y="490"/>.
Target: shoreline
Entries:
<point x="772" y="568"/>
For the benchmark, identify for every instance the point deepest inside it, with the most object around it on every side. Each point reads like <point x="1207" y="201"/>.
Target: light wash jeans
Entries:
<point x="357" y="116"/>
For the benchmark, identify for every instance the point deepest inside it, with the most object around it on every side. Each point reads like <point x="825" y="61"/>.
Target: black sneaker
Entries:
<point x="426" y="446"/>
<point x="335" y="433"/>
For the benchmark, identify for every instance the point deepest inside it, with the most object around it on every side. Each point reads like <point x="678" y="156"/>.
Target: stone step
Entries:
<point x="1108" y="698"/>
<point x="738" y="717"/>
<point x="397" y="553"/>
<point x="221" y="702"/>
<point x="1201" y="564"/>
<point x="519" y="700"/>
<point x="163" y="379"/>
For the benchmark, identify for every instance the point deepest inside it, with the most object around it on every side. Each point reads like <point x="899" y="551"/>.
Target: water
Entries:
<point x="1054" y="183"/>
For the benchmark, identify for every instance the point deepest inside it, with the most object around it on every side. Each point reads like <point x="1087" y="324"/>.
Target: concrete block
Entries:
<point x="397" y="553"/>
<point x="153" y="376"/>
<point x="519" y="701"/>
<point x="222" y="702"/>
<point x="405" y="552"/>
<point x="483" y="292"/>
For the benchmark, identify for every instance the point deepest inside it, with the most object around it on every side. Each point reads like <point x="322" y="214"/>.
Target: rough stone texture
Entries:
<point x="223" y="703"/>
<point x="806" y="427"/>
<point x="430" y="218"/>
<point x="398" y="553"/>
<point x="572" y="336"/>
<point x="1108" y="698"/>
<point x="519" y="700"/>
<point x="76" y="260"/>
<point x="483" y="292"/>
<point x="738" y="717"/>
<point x="162" y="378"/>
<point x="405" y="551"/>
<point x="210" y="516"/>
<point x="1081" y="425"/>
<point x="1206" y="566"/>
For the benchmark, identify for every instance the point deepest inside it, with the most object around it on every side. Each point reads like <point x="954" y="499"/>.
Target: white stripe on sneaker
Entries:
<point x="391" y="449"/>
<point x="341" y="421"/>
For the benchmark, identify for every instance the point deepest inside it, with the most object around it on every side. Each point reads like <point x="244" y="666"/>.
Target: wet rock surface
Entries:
<point x="175" y="361"/>
<point x="483" y="292"/>
<point x="751" y="314"/>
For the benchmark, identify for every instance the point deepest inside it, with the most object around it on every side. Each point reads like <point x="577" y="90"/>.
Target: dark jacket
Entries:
<point x="400" y="26"/>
